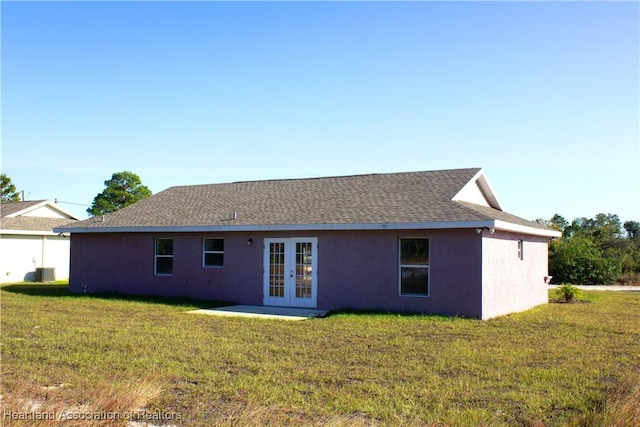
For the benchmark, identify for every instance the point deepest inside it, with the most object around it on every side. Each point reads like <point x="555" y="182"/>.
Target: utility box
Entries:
<point x="45" y="274"/>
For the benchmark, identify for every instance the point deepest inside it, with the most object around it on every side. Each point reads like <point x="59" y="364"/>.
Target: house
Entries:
<point x="28" y="246"/>
<point x="430" y="242"/>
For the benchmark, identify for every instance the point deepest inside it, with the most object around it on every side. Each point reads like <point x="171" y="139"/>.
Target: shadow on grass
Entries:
<point x="387" y="314"/>
<point x="57" y="290"/>
<point x="62" y="290"/>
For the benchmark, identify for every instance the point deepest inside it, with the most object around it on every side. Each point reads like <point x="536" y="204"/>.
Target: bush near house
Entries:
<point x="599" y="250"/>
<point x="579" y="260"/>
<point x="555" y="365"/>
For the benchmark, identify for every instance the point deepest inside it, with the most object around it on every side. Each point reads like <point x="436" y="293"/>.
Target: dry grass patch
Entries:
<point x="620" y="409"/>
<point x="113" y="403"/>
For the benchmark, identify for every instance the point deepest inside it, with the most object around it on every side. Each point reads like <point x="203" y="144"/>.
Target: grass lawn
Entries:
<point x="117" y="357"/>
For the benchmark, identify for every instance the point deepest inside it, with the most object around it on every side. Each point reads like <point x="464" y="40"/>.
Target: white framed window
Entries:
<point x="163" y="259"/>
<point x="521" y="249"/>
<point x="212" y="252"/>
<point x="414" y="266"/>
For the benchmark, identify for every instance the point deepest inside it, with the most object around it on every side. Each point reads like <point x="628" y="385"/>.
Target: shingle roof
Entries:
<point x="488" y="213"/>
<point x="9" y="208"/>
<point x="18" y="216"/>
<point x="394" y="198"/>
<point x="33" y="223"/>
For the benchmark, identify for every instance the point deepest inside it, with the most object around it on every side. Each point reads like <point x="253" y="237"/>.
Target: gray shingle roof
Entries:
<point x="488" y="213"/>
<point x="33" y="223"/>
<point x="9" y="208"/>
<point x="13" y="218"/>
<point x="394" y="198"/>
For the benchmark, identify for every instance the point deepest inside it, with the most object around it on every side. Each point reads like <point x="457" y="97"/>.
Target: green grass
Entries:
<point x="555" y="365"/>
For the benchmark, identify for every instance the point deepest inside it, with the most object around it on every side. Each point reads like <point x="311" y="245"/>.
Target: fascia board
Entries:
<point x="487" y="190"/>
<point x="285" y="227"/>
<point x="517" y="228"/>
<point x="29" y="232"/>
<point x="495" y="224"/>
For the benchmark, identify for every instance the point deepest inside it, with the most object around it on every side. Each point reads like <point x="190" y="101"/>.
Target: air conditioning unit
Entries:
<point x="45" y="274"/>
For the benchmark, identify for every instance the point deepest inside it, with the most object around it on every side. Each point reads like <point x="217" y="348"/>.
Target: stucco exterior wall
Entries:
<point x="20" y="255"/>
<point x="356" y="269"/>
<point x="511" y="284"/>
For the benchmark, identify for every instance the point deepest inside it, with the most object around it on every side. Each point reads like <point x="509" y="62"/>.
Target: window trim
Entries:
<point x="422" y="266"/>
<point x="156" y="256"/>
<point x="205" y="252"/>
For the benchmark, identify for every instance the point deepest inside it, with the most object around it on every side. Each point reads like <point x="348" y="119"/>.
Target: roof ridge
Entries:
<point x="314" y="178"/>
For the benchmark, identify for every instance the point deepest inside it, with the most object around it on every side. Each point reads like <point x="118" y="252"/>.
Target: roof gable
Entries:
<point x="35" y="208"/>
<point x="33" y="217"/>
<point x="478" y="191"/>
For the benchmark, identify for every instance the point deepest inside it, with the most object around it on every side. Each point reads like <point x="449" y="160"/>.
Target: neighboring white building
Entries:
<point x="28" y="243"/>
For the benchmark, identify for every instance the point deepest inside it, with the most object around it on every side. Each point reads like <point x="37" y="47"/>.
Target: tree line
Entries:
<point x="599" y="250"/>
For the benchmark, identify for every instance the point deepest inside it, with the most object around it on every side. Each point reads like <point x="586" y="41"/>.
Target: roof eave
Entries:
<point x="517" y="228"/>
<point x="31" y="233"/>
<point x="498" y="225"/>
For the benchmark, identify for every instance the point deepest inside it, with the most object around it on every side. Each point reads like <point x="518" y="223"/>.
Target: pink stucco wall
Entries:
<point x="356" y="269"/>
<point x="360" y="270"/>
<point x="511" y="284"/>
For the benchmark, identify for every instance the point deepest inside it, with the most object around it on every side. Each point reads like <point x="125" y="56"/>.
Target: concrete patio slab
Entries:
<point x="263" y="312"/>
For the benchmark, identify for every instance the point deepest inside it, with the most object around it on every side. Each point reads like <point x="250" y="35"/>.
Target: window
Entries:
<point x="164" y="257"/>
<point x="520" y="249"/>
<point x="414" y="267"/>
<point x="213" y="252"/>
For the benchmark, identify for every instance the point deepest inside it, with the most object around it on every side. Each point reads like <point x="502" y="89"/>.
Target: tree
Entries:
<point x="123" y="189"/>
<point x="633" y="229"/>
<point x="605" y="230"/>
<point x="559" y="223"/>
<point x="580" y="261"/>
<point x="9" y="193"/>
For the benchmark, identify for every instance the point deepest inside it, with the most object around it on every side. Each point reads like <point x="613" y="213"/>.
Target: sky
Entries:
<point x="544" y="96"/>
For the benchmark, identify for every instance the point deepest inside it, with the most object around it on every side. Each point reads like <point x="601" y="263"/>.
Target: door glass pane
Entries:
<point x="276" y="270"/>
<point x="303" y="270"/>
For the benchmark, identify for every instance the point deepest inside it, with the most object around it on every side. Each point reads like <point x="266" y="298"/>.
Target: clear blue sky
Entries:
<point x="543" y="95"/>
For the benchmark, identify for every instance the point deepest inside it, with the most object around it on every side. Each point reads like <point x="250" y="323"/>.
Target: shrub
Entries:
<point x="568" y="292"/>
<point x="579" y="260"/>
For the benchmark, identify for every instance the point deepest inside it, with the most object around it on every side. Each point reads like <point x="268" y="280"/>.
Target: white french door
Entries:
<point x="290" y="271"/>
